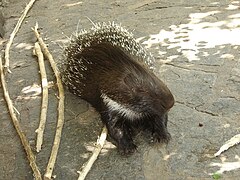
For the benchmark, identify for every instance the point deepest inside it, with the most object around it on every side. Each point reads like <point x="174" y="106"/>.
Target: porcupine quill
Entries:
<point x="107" y="67"/>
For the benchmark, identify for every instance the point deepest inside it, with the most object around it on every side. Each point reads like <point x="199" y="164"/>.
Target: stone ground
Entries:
<point x="196" y="45"/>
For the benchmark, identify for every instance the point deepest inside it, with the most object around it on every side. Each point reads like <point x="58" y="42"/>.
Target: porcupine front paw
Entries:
<point x="126" y="147"/>
<point x="120" y="132"/>
<point x="161" y="137"/>
<point x="159" y="130"/>
<point x="123" y="140"/>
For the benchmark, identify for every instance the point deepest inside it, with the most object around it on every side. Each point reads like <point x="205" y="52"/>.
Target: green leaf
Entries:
<point x="216" y="176"/>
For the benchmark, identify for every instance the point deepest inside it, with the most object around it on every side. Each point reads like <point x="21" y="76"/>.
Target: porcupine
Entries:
<point x="107" y="67"/>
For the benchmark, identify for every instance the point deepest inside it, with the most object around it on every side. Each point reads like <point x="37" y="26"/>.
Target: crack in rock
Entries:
<point x="196" y="109"/>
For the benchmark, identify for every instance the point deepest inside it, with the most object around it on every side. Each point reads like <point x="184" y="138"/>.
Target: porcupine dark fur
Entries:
<point x="108" y="68"/>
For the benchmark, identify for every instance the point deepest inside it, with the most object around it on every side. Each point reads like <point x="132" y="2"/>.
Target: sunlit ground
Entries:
<point x="198" y="34"/>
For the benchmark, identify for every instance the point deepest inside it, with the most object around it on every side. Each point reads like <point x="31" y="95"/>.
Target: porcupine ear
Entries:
<point x="135" y="87"/>
<point x="131" y="82"/>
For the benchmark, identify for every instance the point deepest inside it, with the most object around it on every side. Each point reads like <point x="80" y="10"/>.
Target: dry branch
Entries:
<point x="43" y="116"/>
<point x="60" y="121"/>
<point x="26" y="145"/>
<point x="100" y="142"/>
<point x="15" y="30"/>
<point x="233" y="141"/>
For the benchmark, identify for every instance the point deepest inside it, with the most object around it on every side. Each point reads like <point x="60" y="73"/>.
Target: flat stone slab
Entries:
<point x="196" y="45"/>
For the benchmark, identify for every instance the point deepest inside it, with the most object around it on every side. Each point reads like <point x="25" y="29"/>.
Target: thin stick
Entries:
<point x="60" y="121"/>
<point x="15" y="30"/>
<point x="43" y="116"/>
<point x="233" y="141"/>
<point x="26" y="145"/>
<point x="100" y="142"/>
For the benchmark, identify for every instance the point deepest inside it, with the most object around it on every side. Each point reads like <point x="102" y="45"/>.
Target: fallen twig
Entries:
<point x="43" y="116"/>
<point x="226" y="166"/>
<point x="26" y="145"/>
<point x="100" y="142"/>
<point x="60" y="121"/>
<point x="233" y="141"/>
<point x="15" y="30"/>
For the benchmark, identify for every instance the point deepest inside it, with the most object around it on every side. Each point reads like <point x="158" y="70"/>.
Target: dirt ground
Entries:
<point x="196" y="45"/>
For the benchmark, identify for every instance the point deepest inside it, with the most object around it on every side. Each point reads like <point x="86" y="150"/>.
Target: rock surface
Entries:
<point x="196" y="45"/>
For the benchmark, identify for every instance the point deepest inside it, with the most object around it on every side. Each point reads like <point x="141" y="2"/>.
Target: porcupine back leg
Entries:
<point x="118" y="131"/>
